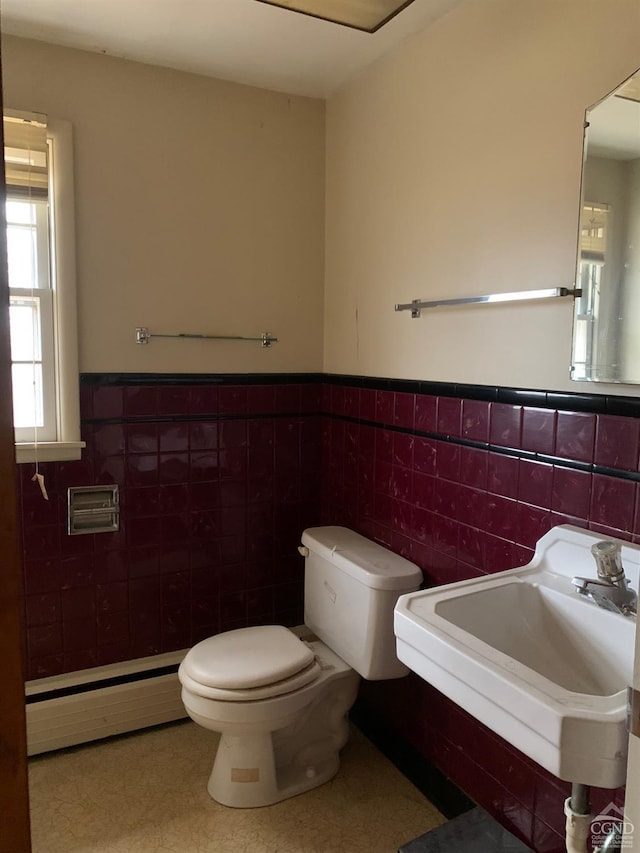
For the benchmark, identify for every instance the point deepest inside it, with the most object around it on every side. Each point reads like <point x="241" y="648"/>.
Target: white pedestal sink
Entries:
<point x="524" y="653"/>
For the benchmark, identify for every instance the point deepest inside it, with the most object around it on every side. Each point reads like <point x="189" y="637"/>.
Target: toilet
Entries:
<point x="280" y="702"/>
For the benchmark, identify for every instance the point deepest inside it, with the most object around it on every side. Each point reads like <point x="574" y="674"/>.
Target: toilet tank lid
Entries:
<point x="371" y="564"/>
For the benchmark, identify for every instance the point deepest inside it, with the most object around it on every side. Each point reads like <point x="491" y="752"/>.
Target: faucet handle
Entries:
<point x="608" y="557"/>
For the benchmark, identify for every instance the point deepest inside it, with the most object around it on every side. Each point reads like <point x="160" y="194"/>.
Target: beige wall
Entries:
<point x="199" y="206"/>
<point x="453" y="169"/>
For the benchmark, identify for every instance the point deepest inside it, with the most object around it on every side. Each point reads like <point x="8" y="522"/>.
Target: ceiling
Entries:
<point x="240" y="40"/>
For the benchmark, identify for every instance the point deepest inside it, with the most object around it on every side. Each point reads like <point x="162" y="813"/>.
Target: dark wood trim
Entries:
<point x="14" y="795"/>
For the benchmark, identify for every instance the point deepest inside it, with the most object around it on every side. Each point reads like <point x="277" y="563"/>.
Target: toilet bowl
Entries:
<point x="281" y="703"/>
<point x="277" y="739"/>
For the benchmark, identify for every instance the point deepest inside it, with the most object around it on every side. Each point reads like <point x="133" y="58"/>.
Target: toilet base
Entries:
<point x="261" y="768"/>
<point x="257" y="782"/>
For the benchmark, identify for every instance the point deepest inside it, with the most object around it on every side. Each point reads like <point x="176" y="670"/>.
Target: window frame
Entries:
<point x="44" y="299"/>
<point x="67" y="444"/>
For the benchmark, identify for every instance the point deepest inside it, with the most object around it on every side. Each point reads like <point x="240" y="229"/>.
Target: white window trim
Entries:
<point x="63" y="262"/>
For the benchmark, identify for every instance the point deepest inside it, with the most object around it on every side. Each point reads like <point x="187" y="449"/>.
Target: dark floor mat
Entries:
<point x="472" y="832"/>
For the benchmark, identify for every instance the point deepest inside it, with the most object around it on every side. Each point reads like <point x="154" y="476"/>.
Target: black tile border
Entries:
<point x="434" y="785"/>
<point x="136" y="379"/>
<point x="561" y="401"/>
<point x="609" y="404"/>
<point x="191" y="418"/>
<point x="516" y="452"/>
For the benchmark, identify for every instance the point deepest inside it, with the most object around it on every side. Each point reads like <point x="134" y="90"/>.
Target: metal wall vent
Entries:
<point x="93" y="509"/>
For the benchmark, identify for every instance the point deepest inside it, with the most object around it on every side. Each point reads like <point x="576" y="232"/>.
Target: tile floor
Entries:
<point x="146" y="793"/>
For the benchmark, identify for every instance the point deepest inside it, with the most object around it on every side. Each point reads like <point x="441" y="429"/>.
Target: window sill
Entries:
<point x="49" y="451"/>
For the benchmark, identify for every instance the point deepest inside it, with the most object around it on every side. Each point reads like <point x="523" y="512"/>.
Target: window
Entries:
<point x="594" y="229"/>
<point x="42" y="312"/>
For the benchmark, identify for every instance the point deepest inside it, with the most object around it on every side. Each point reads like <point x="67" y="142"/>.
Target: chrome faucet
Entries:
<point x="611" y="590"/>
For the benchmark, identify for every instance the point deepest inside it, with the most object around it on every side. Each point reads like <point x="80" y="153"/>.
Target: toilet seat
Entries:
<point x="249" y="664"/>
<point x="251" y="694"/>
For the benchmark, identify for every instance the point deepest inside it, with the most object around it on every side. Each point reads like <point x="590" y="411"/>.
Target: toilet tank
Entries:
<point x="351" y="587"/>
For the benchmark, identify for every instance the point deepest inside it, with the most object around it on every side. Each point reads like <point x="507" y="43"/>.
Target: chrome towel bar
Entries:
<point x="143" y="334"/>
<point x="550" y="293"/>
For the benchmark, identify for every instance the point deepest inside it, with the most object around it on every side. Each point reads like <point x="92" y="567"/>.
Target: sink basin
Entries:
<point x="536" y="662"/>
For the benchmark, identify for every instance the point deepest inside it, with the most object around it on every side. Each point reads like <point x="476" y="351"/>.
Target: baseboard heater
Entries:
<point x="78" y="707"/>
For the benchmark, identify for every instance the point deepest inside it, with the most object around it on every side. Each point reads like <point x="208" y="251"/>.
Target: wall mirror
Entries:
<point x="606" y="328"/>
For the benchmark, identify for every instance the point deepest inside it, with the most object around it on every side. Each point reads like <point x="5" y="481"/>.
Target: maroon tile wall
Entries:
<point x="213" y="503"/>
<point x="217" y="482"/>
<point x="472" y="497"/>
